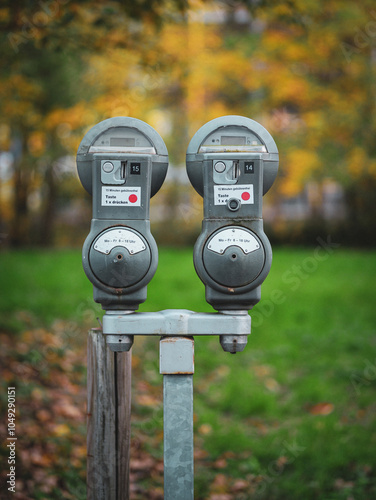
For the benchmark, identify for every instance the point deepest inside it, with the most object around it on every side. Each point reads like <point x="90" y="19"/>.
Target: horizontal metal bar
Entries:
<point x="177" y="322"/>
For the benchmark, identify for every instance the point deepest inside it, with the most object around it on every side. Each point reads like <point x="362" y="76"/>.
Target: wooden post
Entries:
<point x="108" y="420"/>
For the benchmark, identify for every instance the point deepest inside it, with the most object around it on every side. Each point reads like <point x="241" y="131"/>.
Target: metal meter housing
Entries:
<point x="122" y="162"/>
<point x="232" y="161"/>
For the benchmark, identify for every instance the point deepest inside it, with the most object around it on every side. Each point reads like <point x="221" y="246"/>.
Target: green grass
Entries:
<point x="313" y="343"/>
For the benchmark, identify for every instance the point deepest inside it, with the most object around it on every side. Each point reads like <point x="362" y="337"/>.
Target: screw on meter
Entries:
<point x="122" y="162"/>
<point x="232" y="162"/>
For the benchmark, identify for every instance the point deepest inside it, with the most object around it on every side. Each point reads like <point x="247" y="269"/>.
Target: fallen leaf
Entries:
<point x="147" y="400"/>
<point x="240" y="485"/>
<point x="61" y="430"/>
<point x="221" y="463"/>
<point x="271" y="384"/>
<point x="205" y="429"/>
<point x="321" y="409"/>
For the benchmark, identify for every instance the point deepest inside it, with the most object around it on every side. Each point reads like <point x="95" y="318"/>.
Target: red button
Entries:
<point x="132" y="198"/>
<point x="245" y="196"/>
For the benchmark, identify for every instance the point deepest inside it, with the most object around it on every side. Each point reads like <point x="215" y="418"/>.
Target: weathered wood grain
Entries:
<point x="108" y="420"/>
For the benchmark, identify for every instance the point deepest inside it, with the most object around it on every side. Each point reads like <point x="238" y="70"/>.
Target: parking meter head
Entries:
<point x="127" y="136"/>
<point x="228" y="136"/>
<point x="232" y="162"/>
<point x="121" y="162"/>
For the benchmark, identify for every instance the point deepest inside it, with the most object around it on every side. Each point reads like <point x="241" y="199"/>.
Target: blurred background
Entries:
<point x="305" y="70"/>
<point x="294" y="415"/>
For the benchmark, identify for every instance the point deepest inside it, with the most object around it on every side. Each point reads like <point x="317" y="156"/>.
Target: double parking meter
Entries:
<point x="232" y="162"/>
<point x="122" y="162"/>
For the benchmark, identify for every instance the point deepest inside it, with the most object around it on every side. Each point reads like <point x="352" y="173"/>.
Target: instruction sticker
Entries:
<point x="122" y="196"/>
<point x="243" y="193"/>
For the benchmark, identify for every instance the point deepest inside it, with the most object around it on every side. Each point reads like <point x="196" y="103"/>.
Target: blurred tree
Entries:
<point x="306" y="70"/>
<point x="44" y="49"/>
<point x="317" y="66"/>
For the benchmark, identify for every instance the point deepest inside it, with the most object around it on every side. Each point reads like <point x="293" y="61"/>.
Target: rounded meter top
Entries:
<point x="226" y="136"/>
<point x="122" y="135"/>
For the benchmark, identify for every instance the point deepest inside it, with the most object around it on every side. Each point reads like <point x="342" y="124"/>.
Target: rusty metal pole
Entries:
<point x="108" y="420"/>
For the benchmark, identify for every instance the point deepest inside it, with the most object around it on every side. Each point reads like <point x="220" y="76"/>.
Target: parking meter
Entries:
<point x="122" y="162"/>
<point x="232" y="162"/>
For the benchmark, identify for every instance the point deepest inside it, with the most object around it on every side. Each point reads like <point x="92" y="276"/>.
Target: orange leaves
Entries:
<point x="226" y="487"/>
<point x="37" y="143"/>
<point x="321" y="409"/>
<point x="50" y="412"/>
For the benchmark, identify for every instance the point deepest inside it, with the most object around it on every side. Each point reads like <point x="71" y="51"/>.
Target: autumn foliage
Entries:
<point x="305" y="70"/>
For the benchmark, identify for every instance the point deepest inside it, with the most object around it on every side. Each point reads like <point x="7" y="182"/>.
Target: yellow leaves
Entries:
<point x="283" y="10"/>
<point x="36" y="143"/>
<point x="191" y="67"/>
<point x="61" y="430"/>
<point x="291" y="90"/>
<point x="18" y="95"/>
<point x="75" y="117"/>
<point x="68" y="124"/>
<point x="205" y="429"/>
<point x="4" y="15"/>
<point x="372" y="168"/>
<point x="4" y="136"/>
<point x="173" y="41"/>
<point x="160" y="120"/>
<point x="359" y="163"/>
<point x="301" y="164"/>
<point x="274" y="39"/>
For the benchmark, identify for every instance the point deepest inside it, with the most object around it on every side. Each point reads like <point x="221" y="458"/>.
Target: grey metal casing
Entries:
<point x="194" y="159"/>
<point x="232" y="255"/>
<point x="121" y="162"/>
<point x="84" y="158"/>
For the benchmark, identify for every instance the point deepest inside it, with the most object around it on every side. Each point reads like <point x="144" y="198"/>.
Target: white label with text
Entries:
<point x="243" y="193"/>
<point x="122" y="196"/>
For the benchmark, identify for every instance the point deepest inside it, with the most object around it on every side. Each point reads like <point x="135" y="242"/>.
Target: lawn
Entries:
<point x="293" y="416"/>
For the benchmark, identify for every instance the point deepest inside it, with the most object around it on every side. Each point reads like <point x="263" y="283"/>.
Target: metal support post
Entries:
<point x="177" y="367"/>
<point x="177" y="328"/>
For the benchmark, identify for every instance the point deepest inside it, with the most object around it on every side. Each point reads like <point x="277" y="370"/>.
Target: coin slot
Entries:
<point x="123" y="169"/>
<point x="235" y="170"/>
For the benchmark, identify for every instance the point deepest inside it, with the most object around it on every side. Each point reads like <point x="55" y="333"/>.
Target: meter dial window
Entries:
<point x="120" y="257"/>
<point x="122" y="140"/>
<point x="234" y="257"/>
<point x="119" y="237"/>
<point x="232" y="139"/>
<point x="225" y="238"/>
